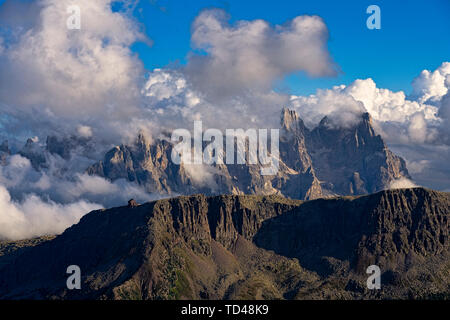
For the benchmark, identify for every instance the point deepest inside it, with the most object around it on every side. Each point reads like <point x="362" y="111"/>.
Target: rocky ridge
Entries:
<point x="246" y="247"/>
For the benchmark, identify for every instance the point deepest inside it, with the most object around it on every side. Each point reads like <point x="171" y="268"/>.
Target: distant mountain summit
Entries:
<point x="243" y="247"/>
<point x="314" y="163"/>
<point x="324" y="161"/>
<point x="353" y="160"/>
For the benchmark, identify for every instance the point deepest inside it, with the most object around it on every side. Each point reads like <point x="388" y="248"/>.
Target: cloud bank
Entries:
<point x="62" y="78"/>
<point x="46" y="202"/>
<point x="229" y="76"/>
<point x="33" y="217"/>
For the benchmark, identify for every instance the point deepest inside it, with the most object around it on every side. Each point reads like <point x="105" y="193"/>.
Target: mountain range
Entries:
<point x="243" y="247"/>
<point x="325" y="161"/>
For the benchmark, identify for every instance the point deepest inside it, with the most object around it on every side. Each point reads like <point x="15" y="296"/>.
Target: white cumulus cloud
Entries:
<point x="252" y="54"/>
<point x="52" y="75"/>
<point x="430" y="86"/>
<point x="33" y="217"/>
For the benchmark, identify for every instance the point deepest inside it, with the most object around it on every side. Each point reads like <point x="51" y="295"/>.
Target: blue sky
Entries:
<point x="414" y="36"/>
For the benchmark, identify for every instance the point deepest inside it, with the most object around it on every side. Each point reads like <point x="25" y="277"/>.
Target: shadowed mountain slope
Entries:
<point x="245" y="247"/>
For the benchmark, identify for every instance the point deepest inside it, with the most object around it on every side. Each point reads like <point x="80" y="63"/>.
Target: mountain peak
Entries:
<point x="291" y="120"/>
<point x="324" y="161"/>
<point x="367" y="117"/>
<point x="142" y="141"/>
<point x="325" y="122"/>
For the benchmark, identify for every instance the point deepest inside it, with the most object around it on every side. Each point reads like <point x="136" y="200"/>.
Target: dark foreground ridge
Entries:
<point x="244" y="247"/>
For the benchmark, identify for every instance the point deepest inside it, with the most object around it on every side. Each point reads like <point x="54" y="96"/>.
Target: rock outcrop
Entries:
<point x="353" y="160"/>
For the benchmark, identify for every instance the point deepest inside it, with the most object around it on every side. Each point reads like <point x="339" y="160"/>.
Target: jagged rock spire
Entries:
<point x="291" y="121"/>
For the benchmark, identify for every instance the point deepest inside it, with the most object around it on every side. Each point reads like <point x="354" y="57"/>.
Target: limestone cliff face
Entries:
<point x="150" y="165"/>
<point x="244" y="247"/>
<point x="142" y="162"/>
<point x="313" y="163"/>
<point x="295" y="155"/>
<point x="390" y="228"/>
<point x="353" y="160"/>
<point x="325" y="161"/>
